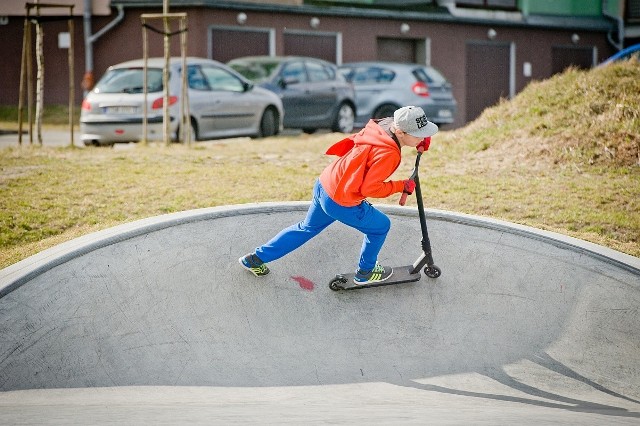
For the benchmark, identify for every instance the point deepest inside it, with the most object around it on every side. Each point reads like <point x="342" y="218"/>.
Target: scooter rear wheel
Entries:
<point x="336" y="283"/>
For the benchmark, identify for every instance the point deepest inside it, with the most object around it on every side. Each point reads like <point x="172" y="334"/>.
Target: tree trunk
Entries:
<point x="39" y="80"/>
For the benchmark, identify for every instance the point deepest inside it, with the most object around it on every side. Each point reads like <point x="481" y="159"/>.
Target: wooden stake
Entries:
<point x="165" y="81"/>
<point x="71" y="75"/>
<point x="145" y="56"/>
<point x="185" y="111"/>
<point x="39" y="77"/>
<point x="23" y="65"/>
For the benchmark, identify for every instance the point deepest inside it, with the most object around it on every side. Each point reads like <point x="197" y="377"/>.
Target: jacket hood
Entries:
<point x="375" y="133"/>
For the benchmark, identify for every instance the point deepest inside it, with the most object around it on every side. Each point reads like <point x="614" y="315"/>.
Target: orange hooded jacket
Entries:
<point x="367" y="160"/>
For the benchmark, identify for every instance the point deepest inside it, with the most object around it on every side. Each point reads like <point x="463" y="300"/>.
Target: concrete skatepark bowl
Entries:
<point x="154" y="321"/>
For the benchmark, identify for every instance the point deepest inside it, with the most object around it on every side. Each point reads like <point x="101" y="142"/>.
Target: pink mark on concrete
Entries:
<point x="304" y="283"/>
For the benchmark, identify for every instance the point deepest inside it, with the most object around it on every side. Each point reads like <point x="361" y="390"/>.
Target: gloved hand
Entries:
<point x="424" y="145"/>
<point x="409" y="186"/>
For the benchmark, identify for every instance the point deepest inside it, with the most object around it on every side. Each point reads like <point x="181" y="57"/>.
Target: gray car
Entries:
<point x="383" y="87"/>
<point x="313" y="92"/>
<point x="222" y="103"/>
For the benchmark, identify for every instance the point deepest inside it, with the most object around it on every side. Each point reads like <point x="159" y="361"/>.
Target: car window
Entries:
<point x="429" y="75"/>
<point x="369" y="75"/>
<point x="331" y="71"/>
<point x="196" y="79"/>
<point x="364" y="75"/>
<point x="318" y="72"/>
<point x="130" y="80"/>
<point x="421" y="75"/>
<point x="257" y="72"/>
<point x="294" y="71"/>
<point x="346" y="72"/>
<point x="386" y="76"/>
<point x="435" y="75"/>
<point x="222" y="80"/>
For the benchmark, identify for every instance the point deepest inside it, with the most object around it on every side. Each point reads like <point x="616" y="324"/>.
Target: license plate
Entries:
<point x="121" y="110"/>
<point x="444" y="113"/>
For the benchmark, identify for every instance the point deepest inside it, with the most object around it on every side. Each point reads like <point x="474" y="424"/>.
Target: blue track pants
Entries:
<point x="323" y="212"/>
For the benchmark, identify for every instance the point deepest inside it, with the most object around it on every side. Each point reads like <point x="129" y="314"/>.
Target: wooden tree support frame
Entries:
<point x="26" y="68"/>
<point x="185" y="124"/>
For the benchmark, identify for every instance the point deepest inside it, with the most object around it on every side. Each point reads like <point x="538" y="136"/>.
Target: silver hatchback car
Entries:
<point x="383" y="87"/>
<point x="313" y="92"/>
<point x="222" y="103"/>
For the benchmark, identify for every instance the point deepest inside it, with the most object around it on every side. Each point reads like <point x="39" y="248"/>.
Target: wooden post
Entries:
<point x="30" y="81"/>
<point x="71" y="74"/>
<point x="145" y="56"/>
<point x="166" y="131"/>
<point x="39" y="76"/>
<point x="166" y="20"/>
<point x="27" y="68"/>
<point x="185" y="112"/>
<point x="23" y="65"/>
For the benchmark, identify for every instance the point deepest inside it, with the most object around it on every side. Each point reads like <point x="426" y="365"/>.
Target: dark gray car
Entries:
<point x="314" y="94"/>
<point x="383" y="87"/>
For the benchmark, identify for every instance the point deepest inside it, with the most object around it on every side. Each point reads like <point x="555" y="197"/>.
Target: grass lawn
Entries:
<point x="562" y="156"/>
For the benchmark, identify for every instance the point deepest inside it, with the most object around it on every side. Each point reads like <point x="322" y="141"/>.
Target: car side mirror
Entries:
<point x="285" y="81"/>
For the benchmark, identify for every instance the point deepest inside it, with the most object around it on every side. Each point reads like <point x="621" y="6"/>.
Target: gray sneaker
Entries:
<point x="378" y="274"/>
<point x="253" y="264"/>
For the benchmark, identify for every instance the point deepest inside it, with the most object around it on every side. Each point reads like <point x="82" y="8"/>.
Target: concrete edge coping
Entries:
<point x="25" y="270"/>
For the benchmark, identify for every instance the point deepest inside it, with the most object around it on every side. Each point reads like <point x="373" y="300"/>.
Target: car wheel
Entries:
<point x="193" y="129"/>
<point x="344" y="119"/>
<point x="268" y="123"/>
<point x="309" y="131"/>
<point x="384" y="111"/>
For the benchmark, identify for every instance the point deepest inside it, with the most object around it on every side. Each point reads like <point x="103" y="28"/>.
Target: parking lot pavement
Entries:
<point x="61" y="137"/>
<point x="50" y="137"/>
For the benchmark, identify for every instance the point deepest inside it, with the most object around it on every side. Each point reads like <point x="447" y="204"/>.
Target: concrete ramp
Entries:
<point x="157" y="319"/>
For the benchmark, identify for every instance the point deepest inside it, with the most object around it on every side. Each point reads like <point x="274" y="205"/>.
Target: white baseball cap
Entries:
<point x="412" y="120"/>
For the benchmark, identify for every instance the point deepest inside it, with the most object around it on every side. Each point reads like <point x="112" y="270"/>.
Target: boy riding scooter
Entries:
<point x="366" y="160"/>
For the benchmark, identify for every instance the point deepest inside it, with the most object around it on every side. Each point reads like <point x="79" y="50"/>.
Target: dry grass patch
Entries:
<point x="579" y="117"/>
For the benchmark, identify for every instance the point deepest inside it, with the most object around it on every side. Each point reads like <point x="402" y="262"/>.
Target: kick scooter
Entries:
<point x="403" y="274"/>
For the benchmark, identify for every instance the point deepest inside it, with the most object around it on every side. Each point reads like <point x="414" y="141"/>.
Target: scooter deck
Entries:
<point x="401" y="274"/>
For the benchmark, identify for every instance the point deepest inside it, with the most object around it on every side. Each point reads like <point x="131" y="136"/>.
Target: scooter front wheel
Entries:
<point x="432" y="271"/>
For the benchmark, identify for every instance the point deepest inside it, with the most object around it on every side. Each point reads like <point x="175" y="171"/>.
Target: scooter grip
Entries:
<point x="403" y="199"/>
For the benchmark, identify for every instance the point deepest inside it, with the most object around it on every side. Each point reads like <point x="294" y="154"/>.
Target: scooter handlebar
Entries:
<point x="421" y="148"/>
<point x="424" y="145"/>
<point x="403" y="199"/>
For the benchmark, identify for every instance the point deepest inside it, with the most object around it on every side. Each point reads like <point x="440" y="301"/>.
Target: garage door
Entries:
<point x="396" y="50"/>
<point x="228" y="43"/>
<point x="488" y="75"/>
<point x="323" y="46"/>
<point x="562" y="57"/>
